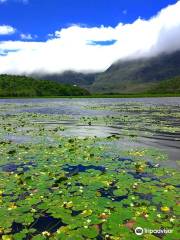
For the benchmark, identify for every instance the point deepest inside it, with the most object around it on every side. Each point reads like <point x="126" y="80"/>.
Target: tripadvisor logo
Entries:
<point x="139" y="231"/>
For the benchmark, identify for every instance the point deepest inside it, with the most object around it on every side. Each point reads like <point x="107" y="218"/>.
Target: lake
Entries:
<point x="87" y="168"/>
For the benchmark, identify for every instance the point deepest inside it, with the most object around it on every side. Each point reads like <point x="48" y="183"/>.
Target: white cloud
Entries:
<point x="6" y="30"/>
<point x="70" y="48"/>
<point x="27" y="36"/>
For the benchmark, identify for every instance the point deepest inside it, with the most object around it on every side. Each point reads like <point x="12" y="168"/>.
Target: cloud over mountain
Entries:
<point x="80" y="48"/>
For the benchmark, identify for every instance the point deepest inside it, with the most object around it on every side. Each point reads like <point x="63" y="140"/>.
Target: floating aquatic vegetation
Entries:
<point x="83" y="188"/>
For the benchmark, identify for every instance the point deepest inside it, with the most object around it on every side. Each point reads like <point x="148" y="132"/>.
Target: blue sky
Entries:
<point x="53" y="36"/>
<point x="42" y="17"/>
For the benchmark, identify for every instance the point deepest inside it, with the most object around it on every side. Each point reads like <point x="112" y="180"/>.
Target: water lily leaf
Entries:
<point x="90" y="232"/>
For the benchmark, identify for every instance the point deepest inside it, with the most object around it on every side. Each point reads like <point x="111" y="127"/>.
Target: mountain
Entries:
<point x="160" y="74"/>
<point x="21" y="86"/>
<point x="70" y="77"/>
<point x="137" y="75"/>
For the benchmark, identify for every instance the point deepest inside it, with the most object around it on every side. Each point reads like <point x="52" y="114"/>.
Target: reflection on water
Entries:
<point x="18" y="139"/>
<point x="90" y="131"/>
<point x="76" y="109"/>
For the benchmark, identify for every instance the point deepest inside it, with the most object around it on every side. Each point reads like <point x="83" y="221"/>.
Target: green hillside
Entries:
<point x="21" y="86"/>
<point x="168" y="86"/>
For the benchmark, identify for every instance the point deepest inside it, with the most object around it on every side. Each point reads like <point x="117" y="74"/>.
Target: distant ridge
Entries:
<point x="71" y="77"/>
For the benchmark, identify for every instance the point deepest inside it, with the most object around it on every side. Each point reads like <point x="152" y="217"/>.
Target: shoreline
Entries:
<point x="99" y="96"/>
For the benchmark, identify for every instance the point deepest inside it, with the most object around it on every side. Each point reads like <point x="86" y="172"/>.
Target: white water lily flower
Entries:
<point x="171" y="219"/>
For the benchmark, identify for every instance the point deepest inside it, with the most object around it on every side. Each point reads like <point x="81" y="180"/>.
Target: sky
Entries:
<point x="53" y="36"/>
